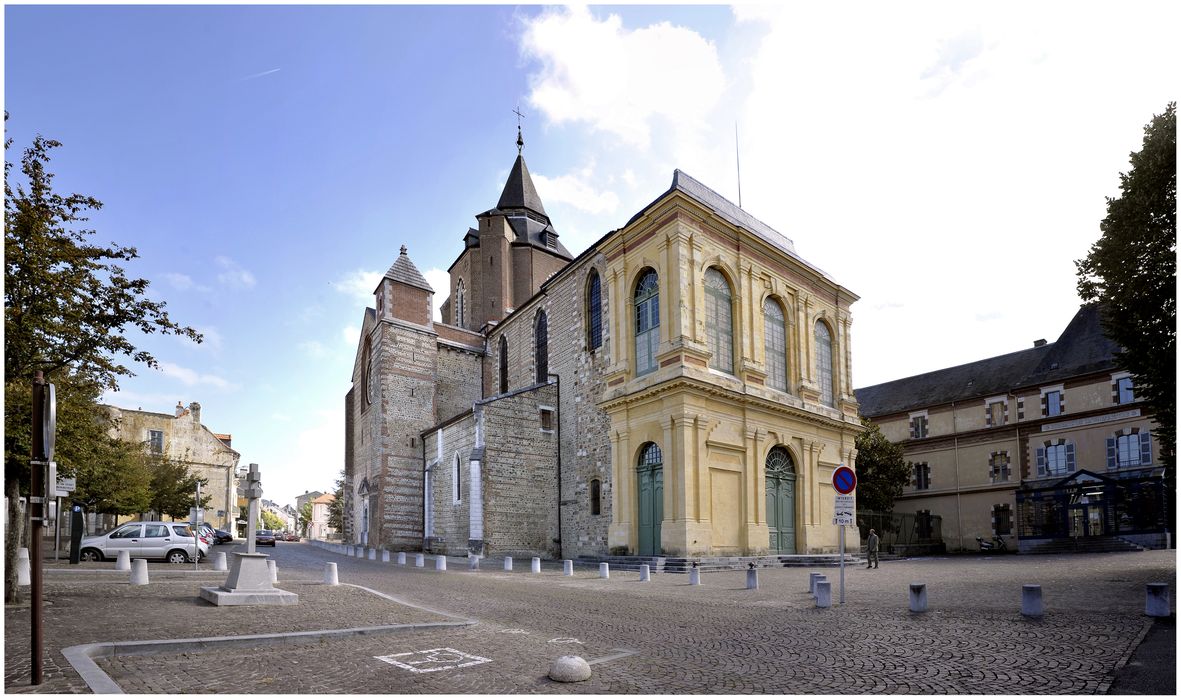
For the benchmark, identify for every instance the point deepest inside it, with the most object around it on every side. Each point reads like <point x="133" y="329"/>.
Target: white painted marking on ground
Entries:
<point x="621" y="653"/>
<point x="565" y="640"/>
<point x="513" y="631"/>
<point x="431" y="660"/>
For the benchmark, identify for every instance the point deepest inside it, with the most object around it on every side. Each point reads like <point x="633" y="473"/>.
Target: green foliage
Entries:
<point x="174" y="487"/>
<point x="882" y="470"/>
<point x="1132" y="271"/>
<point x="270" y="521"/>
<point x="305" y="518"/>
<point x="336" y="508"/>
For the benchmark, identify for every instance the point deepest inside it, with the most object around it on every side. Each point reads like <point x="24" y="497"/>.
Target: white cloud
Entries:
<point x="440" y="281"/>
<point x="314" y="459"/>
<point x="619" y="81"/>
<point x="233" y="276"/>
<point x="756" y="12"/>
<point x="350" y="335"/>
<point x="359" y="284"/>
<point x="190" y="377"/>
<point x="313" y="349"/>
<point x="577" y="191"/>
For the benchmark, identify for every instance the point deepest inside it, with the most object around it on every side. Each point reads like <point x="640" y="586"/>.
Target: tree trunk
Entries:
<point x="12" y="541"/>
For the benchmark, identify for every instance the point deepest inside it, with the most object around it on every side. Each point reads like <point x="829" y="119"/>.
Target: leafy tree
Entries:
<point x="882" y="470"/>
<point x="270" y="521"/>
<point x="173" y="486"/>
<point x="1132" y="271"/>
<point x="336" y="508"/>
<point x="305" y="518"/>
<point x="68" y="305"/>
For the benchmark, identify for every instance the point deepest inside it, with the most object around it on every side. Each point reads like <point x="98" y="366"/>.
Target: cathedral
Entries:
<point x="681" y="387"/>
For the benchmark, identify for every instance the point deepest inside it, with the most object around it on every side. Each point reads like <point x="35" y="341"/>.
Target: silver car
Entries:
<point x="172" y="542"/>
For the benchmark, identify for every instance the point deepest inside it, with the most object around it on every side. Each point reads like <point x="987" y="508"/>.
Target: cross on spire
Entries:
<point x="520" y="141"/>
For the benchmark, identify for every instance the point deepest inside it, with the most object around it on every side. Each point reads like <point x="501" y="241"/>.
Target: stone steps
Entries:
<point x="680" y="565"/>
<point x="1085" y="545"/>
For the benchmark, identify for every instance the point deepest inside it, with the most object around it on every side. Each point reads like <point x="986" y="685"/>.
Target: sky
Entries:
<point x="947" y="162"/>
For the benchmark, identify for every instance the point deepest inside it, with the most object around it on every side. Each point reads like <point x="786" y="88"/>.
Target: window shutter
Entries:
<point x="1145" y="448"/>
<point x="987" y="416"/>
<point x="1041" y="461"/>
<point x="1020" y="409"/>
<point x="1070" y="456"/>
<point x="1045" y="410"/>
<point x="1111" y="456"/>
<point x="1115" y="392"/>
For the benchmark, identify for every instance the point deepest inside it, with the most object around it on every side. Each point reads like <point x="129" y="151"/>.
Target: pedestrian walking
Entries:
<point x="872" y="549"/>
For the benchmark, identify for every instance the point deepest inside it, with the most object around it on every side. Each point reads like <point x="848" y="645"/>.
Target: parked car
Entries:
<point x="205" y="532"/>
<point x="172" y="542"/>
<point x="264" y="537"/>
<point x="223" y="536"/>
<point x="290" y="537"/>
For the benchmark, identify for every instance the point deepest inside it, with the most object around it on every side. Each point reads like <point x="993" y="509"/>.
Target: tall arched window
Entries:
<point x="458" y="482"/>
<point x="596" y="497"/>
<point x="824" y="375"/>
<point x="594" y="312"/>
<point x="719" y="321"/>
<point x="503" y="364"/>
<point x="459" y="296"/>
<point x="775" y="344"/>
<point x="541" y="344"/>
<point x="647" y="302"/>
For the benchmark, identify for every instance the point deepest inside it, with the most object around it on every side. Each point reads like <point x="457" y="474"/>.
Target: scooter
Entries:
<point x="997" y="544"/>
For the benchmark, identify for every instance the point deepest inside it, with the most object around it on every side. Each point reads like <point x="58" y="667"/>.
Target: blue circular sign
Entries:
<point x="844" y="479"/>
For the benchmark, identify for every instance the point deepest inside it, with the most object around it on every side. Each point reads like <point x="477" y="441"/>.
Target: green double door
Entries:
<point x="651" y="506"/>
<point x="781" y="513"/>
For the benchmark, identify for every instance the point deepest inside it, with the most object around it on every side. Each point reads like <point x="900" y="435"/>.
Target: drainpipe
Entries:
<point x="558" y="434"/>
<point x="959" y="519"/>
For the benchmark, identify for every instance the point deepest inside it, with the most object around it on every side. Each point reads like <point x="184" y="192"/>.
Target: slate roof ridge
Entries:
<point x="519" y="191"/>
<point x="404" y="271"/>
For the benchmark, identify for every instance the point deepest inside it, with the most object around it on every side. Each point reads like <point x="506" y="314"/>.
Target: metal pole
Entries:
<point x="842" y="564"/>
<point x="57" y="529"/>
<point x="36" y="509"/>
<point x="196" y="537"/>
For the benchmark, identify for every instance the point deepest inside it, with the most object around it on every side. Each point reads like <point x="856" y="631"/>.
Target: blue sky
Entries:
<point x="269" y="161"/>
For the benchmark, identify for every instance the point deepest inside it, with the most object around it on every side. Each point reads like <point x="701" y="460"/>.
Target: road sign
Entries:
<point x="844" y="480"/>
<point x="842" y="509"/>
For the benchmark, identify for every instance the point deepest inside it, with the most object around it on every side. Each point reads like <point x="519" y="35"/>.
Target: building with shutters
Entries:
<point x="1041" y="447"/>
<point x="681" y="387"/>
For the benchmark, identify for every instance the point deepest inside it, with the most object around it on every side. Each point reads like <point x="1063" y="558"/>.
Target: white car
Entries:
<point x="172" y="542"/>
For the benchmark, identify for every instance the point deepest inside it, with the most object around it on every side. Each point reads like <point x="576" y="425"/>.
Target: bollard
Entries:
<point x="441" y="563"/>
<point x="385" y="556"/>
<point x="694" y="575"/>
<point x="567" y="567"/>
<point x="918" y="597"/>
<point x="330" y="577"/>
<point x="401" y="558"/>
<point x="1031" y="600"/>
<point x="819" y="579"/>
<point x="24" y="571"/>
<point x="139" y="572"/>
<point x="123" y="560"/>
<point x="536" y="565"/>
<point x="569" y="669"/>
<point x="604" y="570"/>
<point x="373" y="554"/>
<point x="1156" y="599"/>
<point x="508" y="563"/>
<point x="823" y="594"/>
<point x="645" y="573"/>
<point x="752" y="577"/>
<point x="360" y="552"/>
<point x="419" y="560"/>
<point x="273" y="569"/>
<point x="812" y="578"/>
<point x="219" y="562"/>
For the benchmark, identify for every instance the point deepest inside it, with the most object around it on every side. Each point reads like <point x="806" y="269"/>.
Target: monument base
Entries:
<point x="249" y="583"/>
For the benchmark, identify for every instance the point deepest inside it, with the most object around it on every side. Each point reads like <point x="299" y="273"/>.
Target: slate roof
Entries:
<point x="405" y="272"/>
<point x="521" y="206"/>
<point x="1081" y="349"/>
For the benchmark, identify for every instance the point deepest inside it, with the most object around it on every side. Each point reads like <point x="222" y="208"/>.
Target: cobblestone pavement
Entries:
<point x="662" y="636"/>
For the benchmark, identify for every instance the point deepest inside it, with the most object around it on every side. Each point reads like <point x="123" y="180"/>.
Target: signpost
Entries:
<point x="844" y="480"/>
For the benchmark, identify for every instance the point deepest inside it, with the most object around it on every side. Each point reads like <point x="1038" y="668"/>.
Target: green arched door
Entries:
<point x="650" y="494"/>
<point x="781" y="501"/>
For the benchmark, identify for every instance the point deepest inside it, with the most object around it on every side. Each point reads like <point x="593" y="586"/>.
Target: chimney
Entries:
<point x="180" y="410"/>
<point x="1039" y="342"/>
<point x="195" y="409"/>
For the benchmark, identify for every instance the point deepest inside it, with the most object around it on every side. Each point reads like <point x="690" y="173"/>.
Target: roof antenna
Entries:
<point x="739" y="163"/>
<point x="520" y="141"/>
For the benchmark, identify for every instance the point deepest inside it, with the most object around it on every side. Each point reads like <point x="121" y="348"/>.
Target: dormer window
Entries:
<point x="551" y="239"/>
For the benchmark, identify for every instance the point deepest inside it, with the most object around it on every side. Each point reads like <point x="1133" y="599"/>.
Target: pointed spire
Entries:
<point x="404" y="271"/>
<point x="519" y="192"/>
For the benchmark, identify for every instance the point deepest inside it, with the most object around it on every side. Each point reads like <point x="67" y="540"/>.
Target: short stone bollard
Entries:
<point x="401" y="558"/>
<point x="812" y="578"/>
<point x="473" y="562"/>
<point x="273" y="569"/>
<point x="918" y="597"/>
<point x="420" y="560"/>
<point x="139" y="572"/>
<point x="819" y="579"/>
<point x="569" y="669"/>
<point x="752" y="578"/>
<point x="508" y="563"/>
<point x="123" y="560"/>
<point x="1031" y="600"/>
<point x="535" y="565"/>
<point x="330" y="577"/>
<point x="24" y="571"/>
<point x="385" y="556"/>
<point x="823" y="594"/>
<point x="1156" y="599"/>
<point x="645" y="573"/>
<point x="219" y="562"/>
<point x="567" y="567"/>
<point x="604" y="570"/>
<point x="373" y="554"/>
<point x="441" y="563"/>
<point x="694" y="575"/>
<point x="360" y="552"/>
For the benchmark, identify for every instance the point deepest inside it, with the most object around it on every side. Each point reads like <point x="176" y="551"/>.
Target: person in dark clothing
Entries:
<point x="872" y="549"/>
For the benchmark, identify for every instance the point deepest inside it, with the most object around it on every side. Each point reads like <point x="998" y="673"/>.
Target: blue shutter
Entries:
<point x="1069" y="457"/>
<point x="1041" y="461"/>
<point x="1111" y="455"/>
<point x="1145" y="448"/>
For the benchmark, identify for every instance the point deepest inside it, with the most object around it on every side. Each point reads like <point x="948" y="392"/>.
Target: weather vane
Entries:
<point x="520" y="141"/>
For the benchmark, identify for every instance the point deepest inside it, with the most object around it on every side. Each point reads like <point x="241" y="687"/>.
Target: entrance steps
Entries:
<point x="1071" y="545"/>
<point x="680" y="565"/>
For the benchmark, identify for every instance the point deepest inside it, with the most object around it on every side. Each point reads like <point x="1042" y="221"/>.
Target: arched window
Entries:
<point x="779" y="463"/>
<point x="824" y="375"/>
<point x="647" y="302"/>
<point x="650" y="456"/>
<point x="503" y="364"/>
<point x="541" y="344"/>
<point x="368" y="383"/>
<point x="596" y="497"/>
<point x="775" y="344"/>
<point x="719" y="321"/>
<point x="458" y="481"/>
<point x="459" y="296"/>
<point x="594" y="312"/>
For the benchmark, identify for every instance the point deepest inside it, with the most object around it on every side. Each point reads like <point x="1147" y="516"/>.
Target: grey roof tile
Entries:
<point x="405" y="272"/>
